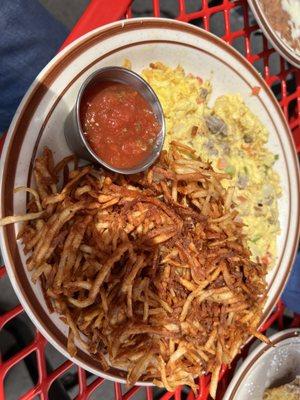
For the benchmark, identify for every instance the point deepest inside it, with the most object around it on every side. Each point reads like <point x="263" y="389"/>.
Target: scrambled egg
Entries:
<point x="233" y="139"/>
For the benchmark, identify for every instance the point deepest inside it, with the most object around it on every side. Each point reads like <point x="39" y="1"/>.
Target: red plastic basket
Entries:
<point x="286" y="85"/>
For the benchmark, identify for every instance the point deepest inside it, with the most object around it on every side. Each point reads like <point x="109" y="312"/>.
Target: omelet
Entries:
<point x="233" y="139"/>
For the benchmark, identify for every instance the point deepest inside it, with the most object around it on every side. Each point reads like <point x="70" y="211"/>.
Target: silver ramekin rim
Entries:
<point x="160" y="116"/>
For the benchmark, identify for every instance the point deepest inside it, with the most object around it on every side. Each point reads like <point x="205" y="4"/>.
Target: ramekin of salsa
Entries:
<point x="117" y="121"/>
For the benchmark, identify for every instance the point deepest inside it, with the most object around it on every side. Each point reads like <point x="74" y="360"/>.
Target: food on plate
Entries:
<point x="290" y="391"/>
<point x="118" y="123"/>
<point x="151" y="272"/>
<point x="284" y="18"/>
<point x="233" y="139"/>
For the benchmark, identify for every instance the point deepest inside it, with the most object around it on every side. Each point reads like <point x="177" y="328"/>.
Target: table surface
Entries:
<point x="54" y="377"/>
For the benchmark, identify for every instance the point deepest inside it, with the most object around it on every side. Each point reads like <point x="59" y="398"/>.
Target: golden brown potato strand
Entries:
<point x="150" y="270"/>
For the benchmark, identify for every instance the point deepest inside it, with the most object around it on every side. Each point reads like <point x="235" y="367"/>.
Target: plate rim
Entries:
<point x="57" y="60"/>
<point x="249" y="362"/>
<point x="283" y="49"/>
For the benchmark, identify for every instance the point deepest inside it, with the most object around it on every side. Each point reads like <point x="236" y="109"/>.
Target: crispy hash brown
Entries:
<point x="150" y="271"/>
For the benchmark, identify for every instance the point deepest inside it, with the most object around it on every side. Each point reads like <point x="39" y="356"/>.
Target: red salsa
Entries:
<point x="119" y="124"/>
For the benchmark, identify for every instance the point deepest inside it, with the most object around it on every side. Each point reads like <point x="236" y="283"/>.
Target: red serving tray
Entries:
<point x="100" y="12"/>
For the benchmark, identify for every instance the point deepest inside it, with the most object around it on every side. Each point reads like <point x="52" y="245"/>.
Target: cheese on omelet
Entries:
<point x="233" y="139"/>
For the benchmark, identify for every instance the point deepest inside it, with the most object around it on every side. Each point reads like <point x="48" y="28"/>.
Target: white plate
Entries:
<point x="267" y="367"/>
<point x="274" y="37"/>
<point x="39" y="122"/>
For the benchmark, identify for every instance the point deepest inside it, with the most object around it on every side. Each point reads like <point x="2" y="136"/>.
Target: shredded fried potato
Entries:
<point x="149" y="271"/>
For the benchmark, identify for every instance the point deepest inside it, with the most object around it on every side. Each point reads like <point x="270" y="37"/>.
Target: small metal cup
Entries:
<point x="73" y="131"/>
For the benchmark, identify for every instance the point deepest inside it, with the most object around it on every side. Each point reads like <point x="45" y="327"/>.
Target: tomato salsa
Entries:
<point x="119" y="124"/>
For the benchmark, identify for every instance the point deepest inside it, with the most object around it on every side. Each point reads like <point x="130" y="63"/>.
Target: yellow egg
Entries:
<point x="233" y="139"/>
